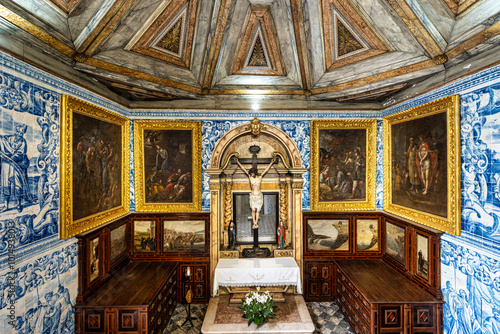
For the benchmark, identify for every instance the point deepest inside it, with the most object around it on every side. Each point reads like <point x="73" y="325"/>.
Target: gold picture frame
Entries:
<point x="346" y="139"/>
<point x="104" y="136"/>
<point x="422" y="164"/>
<point x="167" y="153"/>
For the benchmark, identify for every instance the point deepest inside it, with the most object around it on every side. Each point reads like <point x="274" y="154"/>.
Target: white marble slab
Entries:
<point x="306" y="326"/>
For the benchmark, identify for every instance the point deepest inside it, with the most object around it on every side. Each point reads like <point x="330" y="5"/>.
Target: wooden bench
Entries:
<point x="137" y="298"/>
<point x="375" y="298"/>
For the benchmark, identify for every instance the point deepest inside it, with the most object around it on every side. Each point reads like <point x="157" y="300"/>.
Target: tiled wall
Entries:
<point x="46" y="276"/>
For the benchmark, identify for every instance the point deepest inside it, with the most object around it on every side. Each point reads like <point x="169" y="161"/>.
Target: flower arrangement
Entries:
<point x="258" y="307"/>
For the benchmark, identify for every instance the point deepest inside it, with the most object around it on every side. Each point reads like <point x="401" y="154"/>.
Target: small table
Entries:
<point x="257" y="272"/>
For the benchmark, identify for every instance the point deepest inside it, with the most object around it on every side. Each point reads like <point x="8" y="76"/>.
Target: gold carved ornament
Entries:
<point x="70" y="227"/>
<point x="284" y="203"/>
<point x="228" y="204"/>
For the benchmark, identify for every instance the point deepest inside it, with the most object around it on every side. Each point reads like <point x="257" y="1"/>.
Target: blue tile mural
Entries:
<point x="29" y="155"/>
<point x="44" y="291"/>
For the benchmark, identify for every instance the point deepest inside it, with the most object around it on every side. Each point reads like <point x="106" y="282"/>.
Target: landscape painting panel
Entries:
<point x="184" y="235"/>
<point x="168" y="163"/>
<point x="97" y="160"/>
<point x="419" y="164"/>
<point x="396" y="242"/>
<point x="328" y="234"/>
<point x="367" y="235"/>
<point x="118" y="243"/>
<point x="342" y="164"/>
<point x="144" y="236"/>
<point x="422" y="256"/>
<point x="94" y="259"/>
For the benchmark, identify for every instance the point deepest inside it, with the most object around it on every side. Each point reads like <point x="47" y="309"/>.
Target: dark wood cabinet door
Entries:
<point x="319" y="281"/>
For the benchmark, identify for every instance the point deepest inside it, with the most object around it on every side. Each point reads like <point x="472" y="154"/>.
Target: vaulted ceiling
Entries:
<point x="231" y="53"/>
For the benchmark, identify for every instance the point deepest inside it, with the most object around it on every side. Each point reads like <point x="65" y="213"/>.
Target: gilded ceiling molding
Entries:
<point x="376" y="77"/>
<point x="300" y="36"/>
<point x="170" y="36"/>
<point x="258" y="51"/>
<point x="475" y="40"/>
<point x="33" y="30"/>
<point x="66" y="6"/>
<point x="343" y="26"/>
<point x="105" y="27"/>
<point x="457" y="7"/>
<point x="416" y="28"/>
<point x="216" y="45"/>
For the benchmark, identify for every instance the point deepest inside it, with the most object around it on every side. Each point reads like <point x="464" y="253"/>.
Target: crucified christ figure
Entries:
<point x="256" y="197"/>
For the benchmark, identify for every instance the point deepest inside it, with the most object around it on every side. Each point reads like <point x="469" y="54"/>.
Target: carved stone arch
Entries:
<point x="220" y="153"/>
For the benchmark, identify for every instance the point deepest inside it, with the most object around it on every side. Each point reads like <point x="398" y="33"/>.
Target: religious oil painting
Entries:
<point x="422" y="165"/>
<point x="94" y="165"/>
<point x="343" y="163"/>
<point x="118" y="242"/>
<point x="367" y="235"/>
<point x="94" y="259"/>
<point x="168" y="166"/>
<point x="423" y="256"/>
<point x="144" y="236"/>
<point x="327" y="235"/>
<point x="395" y="238"/>
<point x="182" y="236"/>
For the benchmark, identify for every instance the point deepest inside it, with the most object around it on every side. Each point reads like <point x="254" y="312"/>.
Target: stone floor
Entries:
<point x="326" y="316"/>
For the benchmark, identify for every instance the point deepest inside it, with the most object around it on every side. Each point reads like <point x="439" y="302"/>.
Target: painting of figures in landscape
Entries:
<point x="328" y="235"/>
<point x="367" y="235"/>
<point x="395" y="241"/>
<point x="419" y="164"/>
<point x="97" y="159"/>
<point x="168" y="166"/>
<point x="145" y="236"/>
<point x="184" y="235"/>
<point x="422" y="256"/>
<point x="94" y="259"/>
<point x="118" y="245"/>
<point x="342" y="164"/>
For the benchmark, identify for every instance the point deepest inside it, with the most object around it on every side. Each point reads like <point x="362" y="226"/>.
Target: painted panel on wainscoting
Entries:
<point x="29" y="154"/>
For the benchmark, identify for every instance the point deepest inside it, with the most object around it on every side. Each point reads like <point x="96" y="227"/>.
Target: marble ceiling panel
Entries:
<point x="438" y="13"/>
<point x="377" y="65"/>
<point x="43" y="15"/>
<point x="148" y="65"/>
<point x="85" y="17"/>
<point x="66" y="5"/>
<point x="483" y="15"/>
<point x="239" y="19"/>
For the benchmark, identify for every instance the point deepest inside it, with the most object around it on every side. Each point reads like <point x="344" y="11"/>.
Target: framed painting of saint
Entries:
<point x="422" y="164"/>
<point x="95" y="168"/>
<point x="167" y="156"/>
<point x="343" y="165"/>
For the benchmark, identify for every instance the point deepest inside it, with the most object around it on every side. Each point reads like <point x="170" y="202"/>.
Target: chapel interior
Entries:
<point x="161" y="159"/>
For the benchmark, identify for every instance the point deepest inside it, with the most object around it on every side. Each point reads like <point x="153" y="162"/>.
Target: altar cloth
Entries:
<point x="257" y="272"/>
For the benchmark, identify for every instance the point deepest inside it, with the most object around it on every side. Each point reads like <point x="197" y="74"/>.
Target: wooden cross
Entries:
<point x="254" y="149"/>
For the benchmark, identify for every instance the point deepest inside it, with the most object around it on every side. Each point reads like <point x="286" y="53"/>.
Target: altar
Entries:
<point x="257" y="272"/>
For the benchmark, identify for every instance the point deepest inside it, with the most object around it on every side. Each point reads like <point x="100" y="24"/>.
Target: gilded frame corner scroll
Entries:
<point x="320" y="129"/>
<point x="438" y="123"/>
<point x="167" y="129"/>
<point x="102" y="135"/>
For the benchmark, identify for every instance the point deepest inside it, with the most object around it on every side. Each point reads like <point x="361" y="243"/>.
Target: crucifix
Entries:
<point x="256" y="197"/>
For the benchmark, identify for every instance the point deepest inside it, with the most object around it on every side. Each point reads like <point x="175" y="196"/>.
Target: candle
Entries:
<point x="188" y="271"/>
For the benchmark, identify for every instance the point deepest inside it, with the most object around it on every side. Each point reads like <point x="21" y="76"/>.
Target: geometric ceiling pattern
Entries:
<point x="347" y="37"/>
<point x="289" y="54"/>
<point x="259" y="49"/>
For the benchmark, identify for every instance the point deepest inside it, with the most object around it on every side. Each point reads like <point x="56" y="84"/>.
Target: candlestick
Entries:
<point x="188" y="271"/>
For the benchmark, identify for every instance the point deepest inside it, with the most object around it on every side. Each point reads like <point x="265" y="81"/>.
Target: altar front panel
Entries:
<point x="257" y="272"/>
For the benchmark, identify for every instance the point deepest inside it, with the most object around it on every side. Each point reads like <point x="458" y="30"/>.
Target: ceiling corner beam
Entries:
<point x="105" y="27"/>
<point x="416" y="28"/>
<point x="216" y="44"/>
<point x="475" y="40"/>
<point x="300" y="37"/>
<point x="35" y="31"/>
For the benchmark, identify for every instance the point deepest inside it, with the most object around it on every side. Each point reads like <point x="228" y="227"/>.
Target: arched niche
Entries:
<point x="226" y="178"/>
